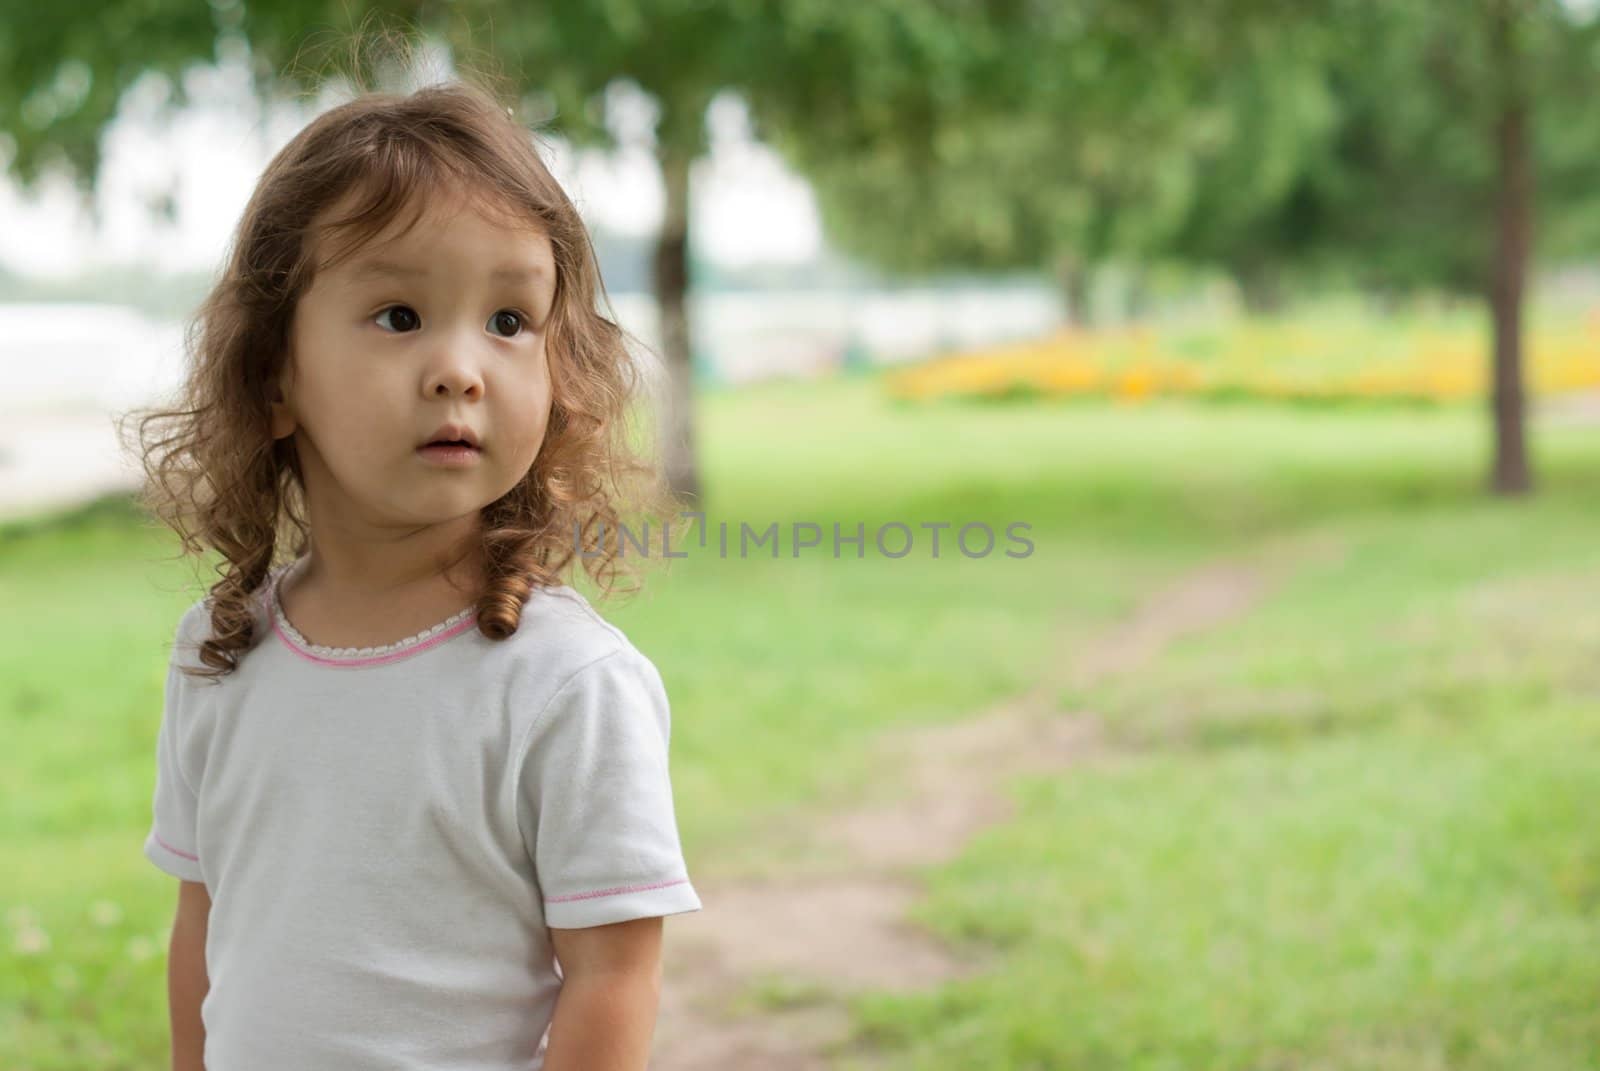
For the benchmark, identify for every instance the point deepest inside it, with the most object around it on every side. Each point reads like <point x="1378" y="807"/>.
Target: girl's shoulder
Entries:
<point x="559" y="625"/>
<point x="194" y="625"/>
<point x="193" y="628"/>
<point x="564" y="646"/>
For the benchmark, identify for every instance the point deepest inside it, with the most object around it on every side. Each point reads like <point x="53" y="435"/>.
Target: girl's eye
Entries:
<point x="405" y="315"/>
<point x="507" y="320"/>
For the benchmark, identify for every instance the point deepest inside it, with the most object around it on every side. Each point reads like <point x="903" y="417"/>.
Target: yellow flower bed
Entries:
<point x="1296" y="362"/>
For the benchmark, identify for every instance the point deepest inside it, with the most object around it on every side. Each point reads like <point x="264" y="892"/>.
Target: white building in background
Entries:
<point x="68" y="369"/>
<point x="750" y="336"/>
<point x="69" y="356"/>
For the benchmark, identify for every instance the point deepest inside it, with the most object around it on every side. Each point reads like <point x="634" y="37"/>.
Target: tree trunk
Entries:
<point x="1260" y="289"/>
<point x="670" y="281"/>
<point x="1138" y="301"/>
<point x="1075" y="277"/>
<point x="1513" y="241"/>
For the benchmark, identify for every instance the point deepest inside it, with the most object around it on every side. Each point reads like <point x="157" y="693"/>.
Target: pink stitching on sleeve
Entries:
<point x="614" y="892"/>
<point x="175" y="851"/>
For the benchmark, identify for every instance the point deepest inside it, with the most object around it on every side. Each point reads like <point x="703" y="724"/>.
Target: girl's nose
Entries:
<point x="454" y="379"/>
<point x="453" y="367"/>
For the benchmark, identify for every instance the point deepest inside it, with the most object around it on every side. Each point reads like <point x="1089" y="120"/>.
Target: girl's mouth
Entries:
<point x="449" y="454"/>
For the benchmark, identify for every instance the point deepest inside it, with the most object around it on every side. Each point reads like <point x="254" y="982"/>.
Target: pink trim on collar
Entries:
<point x="296" y="644"/>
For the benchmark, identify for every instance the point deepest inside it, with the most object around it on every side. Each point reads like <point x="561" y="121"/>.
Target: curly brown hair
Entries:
<point x="215" y="474"/>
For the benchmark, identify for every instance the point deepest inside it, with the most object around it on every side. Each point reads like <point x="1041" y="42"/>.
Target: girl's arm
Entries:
<point x="187" y="981"/>
<point x="605" y="1015"/>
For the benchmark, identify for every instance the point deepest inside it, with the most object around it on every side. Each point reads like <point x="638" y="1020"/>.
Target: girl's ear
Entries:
<point x="282" y="418"/>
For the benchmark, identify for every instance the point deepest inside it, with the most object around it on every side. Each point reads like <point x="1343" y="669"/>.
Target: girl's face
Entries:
<point x="445" y="325"/>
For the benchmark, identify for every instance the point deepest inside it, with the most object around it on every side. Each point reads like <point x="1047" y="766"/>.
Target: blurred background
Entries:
<point x="1277" y="325"/>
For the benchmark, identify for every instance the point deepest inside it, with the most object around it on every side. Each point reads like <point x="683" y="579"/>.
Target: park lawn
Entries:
<point x="1422" y="896"/>
<point x="1352" y="831"/>
<point x="782" y="672"/>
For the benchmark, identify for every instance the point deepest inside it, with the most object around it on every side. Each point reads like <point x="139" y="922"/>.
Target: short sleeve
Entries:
<point x="595" y="798"/>
<point x="170" y="843"/>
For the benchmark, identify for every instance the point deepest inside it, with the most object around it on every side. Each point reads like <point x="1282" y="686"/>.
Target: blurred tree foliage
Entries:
<point x="1060" y="137"/>
<point x="65" y="67"/>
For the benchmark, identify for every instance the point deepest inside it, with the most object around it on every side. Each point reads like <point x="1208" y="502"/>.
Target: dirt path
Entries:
<point x="829" y="929"/>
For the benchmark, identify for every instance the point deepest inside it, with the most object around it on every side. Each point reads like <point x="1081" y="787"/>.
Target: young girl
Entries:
<point x="414" y="787"/>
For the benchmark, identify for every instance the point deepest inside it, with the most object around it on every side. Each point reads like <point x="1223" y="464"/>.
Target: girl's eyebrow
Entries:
<point x="377" y="269"/>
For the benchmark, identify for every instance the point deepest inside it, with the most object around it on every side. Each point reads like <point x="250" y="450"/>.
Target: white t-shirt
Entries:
<point x="386" y="835"/>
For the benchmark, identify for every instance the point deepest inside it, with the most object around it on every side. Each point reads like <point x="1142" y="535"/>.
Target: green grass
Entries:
<point x="1344" y="832"/>
<point x="1421" y="897"/>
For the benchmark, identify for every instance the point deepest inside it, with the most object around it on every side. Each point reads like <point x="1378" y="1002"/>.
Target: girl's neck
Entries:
<point x="351" y="560"/>
<point x="373" y="607"/>
<point x="361" y="578"/>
